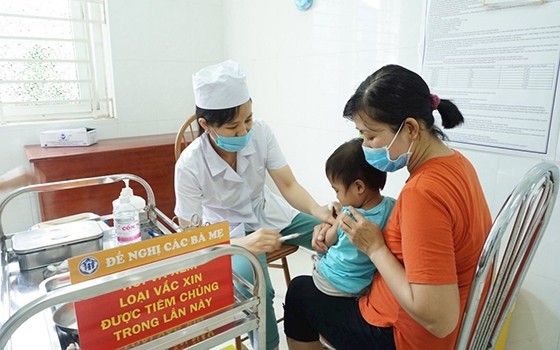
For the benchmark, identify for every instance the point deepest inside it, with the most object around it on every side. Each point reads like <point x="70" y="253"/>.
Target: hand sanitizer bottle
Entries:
<point x="138" y="202"/>
<point x="126" y="219"/>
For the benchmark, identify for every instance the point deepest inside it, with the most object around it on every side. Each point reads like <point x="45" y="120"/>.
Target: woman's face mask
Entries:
<point x="232" y="143"/>
<point x="380" y="159"/>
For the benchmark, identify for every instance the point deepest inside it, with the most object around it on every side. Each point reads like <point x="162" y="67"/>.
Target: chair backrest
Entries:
<point x="187" y="133"/>
<point x="522" y="219"/>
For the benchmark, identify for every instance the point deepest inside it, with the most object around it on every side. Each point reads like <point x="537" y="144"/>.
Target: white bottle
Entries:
<point x="138" y="202"/>
<point x="126" y="219"/>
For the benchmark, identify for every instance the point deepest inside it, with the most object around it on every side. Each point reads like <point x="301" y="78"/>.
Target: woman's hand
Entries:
<point x="260" y="241"/>
<point x="423" y="302"/>
<point x="364" y="234"/>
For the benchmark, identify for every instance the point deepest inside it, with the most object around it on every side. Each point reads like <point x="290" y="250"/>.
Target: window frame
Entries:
<point x="91" y="48"/>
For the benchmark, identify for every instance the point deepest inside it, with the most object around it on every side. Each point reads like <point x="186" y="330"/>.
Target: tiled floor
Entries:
<point x="300" y="264"/>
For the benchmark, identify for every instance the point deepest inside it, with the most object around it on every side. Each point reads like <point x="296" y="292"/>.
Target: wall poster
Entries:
<point x="500" y="66"/>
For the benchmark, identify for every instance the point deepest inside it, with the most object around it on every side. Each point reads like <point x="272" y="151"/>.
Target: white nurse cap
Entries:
<point x="220" y="86"/>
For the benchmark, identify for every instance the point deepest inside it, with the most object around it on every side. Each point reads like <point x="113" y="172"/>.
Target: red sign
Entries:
<point x="142" y="312"/>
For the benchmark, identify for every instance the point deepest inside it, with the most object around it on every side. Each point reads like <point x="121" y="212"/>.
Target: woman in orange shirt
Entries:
<point x="426" y="256"/>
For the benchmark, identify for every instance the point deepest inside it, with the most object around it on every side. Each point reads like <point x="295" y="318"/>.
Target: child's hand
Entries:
<point x="319" y="234"/>
<point x="331" y="236"/>
<point x="325" y="238"/>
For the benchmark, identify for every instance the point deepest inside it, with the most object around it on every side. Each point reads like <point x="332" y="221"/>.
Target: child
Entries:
<point x="345" y="271"/>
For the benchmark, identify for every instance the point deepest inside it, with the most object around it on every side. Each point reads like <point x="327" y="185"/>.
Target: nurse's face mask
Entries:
<point x="232" y="143"/>
<point x="380" y="159"/>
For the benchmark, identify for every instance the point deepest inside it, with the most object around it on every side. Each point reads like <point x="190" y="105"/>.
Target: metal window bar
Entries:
<point x="46" y="81"/>
<point x="92" y="67"/>
<point x="58" y="116"/>
<point x="524" y="215"/>
<point x="28" y="60"/>
<point x="102" y="19"/>
<point x="80" y="114"/>
<point x="49" y="18"/>
<point x="54" y="102"/>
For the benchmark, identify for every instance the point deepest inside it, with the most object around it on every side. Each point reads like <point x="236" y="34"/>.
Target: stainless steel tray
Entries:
<point x="44" y="246"/>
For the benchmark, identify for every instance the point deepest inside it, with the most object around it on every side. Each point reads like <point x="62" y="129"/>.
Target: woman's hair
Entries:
<point x="215" y="117"/>
<point x="348" y="164"/>
<point x="394" y="93"/>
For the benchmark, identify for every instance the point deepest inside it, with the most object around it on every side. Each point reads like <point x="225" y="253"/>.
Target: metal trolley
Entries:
<point x="26" y="308"/>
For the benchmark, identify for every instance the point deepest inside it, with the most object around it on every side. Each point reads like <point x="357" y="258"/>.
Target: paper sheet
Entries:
<point x="500" y="66"/>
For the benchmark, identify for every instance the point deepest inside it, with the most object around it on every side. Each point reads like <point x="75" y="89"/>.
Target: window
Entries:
<point x="53" y="60"/>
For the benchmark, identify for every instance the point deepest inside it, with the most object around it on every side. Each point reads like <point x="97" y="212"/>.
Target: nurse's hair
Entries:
<point x="348" y="164"/>
<point x="215" y="117"/>
<point x="394" y="93"/>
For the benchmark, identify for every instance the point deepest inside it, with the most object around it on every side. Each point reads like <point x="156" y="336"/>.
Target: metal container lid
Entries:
<point x="55" y="236"/>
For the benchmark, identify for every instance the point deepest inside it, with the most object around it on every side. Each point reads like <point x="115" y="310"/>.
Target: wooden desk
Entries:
<point x="150" y="157"/>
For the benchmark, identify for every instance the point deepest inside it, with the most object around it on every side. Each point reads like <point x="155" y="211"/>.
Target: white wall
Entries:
<point x="302" y="67"/>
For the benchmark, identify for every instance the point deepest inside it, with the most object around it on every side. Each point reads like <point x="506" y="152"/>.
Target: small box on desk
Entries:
<point x="68" y="137"/>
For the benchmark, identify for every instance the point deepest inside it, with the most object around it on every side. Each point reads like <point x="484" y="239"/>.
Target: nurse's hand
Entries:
<point x="327" y="213"/>
<point x="260" y="241"/>
<point x="364" y="234"/>
<point x="335" y="208"/>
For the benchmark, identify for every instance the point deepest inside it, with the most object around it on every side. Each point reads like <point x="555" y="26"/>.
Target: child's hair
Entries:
<point x="348" y="164"/>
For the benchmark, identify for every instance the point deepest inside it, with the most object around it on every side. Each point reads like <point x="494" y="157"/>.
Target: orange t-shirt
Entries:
<point x="437" y="229"/>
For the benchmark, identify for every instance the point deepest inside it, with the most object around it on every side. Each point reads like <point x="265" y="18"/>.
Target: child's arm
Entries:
<point x="331" y="236"/>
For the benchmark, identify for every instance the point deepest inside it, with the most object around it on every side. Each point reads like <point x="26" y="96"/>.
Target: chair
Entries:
<point x="181" y="141"/>
<point x="185" y="135"/>
<point x="523" y="219"/>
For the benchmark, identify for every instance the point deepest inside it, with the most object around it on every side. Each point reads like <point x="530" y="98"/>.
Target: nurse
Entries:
<point x="220" y="176"/>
